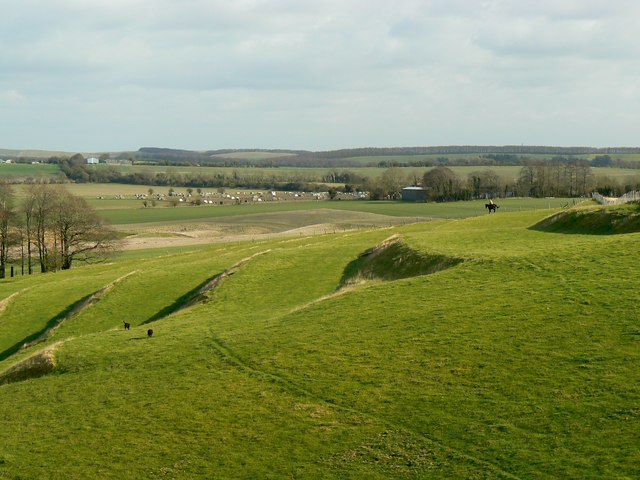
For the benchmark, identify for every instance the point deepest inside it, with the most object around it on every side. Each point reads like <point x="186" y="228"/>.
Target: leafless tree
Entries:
<point x="39" y="201"/>
<point x="7" y="213"/>
<point x="63" y="227"/>
<point x="79" y="233"/>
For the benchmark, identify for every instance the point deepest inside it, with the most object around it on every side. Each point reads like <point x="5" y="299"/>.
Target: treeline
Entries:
<point x="537" y="179"/>
<point x="76" y="170"/>
<point x="470" y="149"/>
<point x="562" y="176"/>
<point x="165" y="156"/>
<point x="347" y="158"/>
<point x="486" y="160"/>
<point x="455" y="155"/>
<point x="216" y="158"/>
<point x="156" y="152"/>
<point x="608" y="161"/>
<point x="50" y="228"/>
<point x="352" y="158"/>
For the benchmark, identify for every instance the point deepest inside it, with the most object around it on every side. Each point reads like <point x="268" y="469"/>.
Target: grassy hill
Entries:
<point x="594" y="220"/>
<point x="515" y="358"/>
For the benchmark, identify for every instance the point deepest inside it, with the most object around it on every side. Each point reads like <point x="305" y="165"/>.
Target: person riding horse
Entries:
<point x="491" y="206"/>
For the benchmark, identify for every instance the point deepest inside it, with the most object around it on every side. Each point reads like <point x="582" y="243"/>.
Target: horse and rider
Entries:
<point x="491" y="206"/>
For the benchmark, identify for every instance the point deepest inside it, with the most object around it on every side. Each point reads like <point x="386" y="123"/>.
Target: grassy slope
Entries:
<point x="518" y="363"/>
<point x="596" y="220"/>
<point x="13" y="171"/>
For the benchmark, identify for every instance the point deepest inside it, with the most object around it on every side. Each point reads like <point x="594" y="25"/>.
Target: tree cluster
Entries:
<point x="555" y="179"/>
<point x="543" y="179"/>
<point x="50" y="229"/>
<point x="566" y="178"/>
<point x="266" y="179"/>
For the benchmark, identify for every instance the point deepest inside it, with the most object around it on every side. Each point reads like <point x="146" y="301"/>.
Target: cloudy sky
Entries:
<point x="98" y="75"/>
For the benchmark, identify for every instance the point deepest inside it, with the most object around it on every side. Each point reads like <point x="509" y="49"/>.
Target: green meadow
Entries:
<point x="493" y="346"/>
<point x="133" y="212"/>
<point x="19" y="171"/>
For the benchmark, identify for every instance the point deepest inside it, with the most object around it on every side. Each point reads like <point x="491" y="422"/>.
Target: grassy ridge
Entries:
<point x="594" y="220"/>
<point x="518" y="363"/>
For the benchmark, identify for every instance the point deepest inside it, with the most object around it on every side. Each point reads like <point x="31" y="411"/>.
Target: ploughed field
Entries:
<point x="498" y="346"/>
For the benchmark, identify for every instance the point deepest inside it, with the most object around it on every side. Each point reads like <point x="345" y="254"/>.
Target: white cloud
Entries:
<point x="322" y="74"/>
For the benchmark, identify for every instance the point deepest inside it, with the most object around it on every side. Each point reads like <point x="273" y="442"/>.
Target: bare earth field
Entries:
<point x="252" y="228"/>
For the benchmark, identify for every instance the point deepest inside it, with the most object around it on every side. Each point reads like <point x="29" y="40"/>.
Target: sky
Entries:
<point x="113" y="75"/>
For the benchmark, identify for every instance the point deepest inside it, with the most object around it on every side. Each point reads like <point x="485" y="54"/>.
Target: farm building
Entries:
<point x="92" y="160"/>
<point x="414" y="194"/>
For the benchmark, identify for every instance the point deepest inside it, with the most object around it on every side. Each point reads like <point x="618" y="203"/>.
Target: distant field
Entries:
<point x="275" y="174"/>
<point x="632" y="157"/>
<point x="374" y="159"/>
<point x="44" y="154"/>
<point x="137" y="215"/>
<point x="620" y="174"/>
<point x="24" y="170"/>
<point x="316" y="174"/>
<point x="253" y="155"/>
<point x="129" y="210"/>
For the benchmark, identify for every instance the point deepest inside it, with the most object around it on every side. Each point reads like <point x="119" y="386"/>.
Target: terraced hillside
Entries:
<point x="477" y="348"/>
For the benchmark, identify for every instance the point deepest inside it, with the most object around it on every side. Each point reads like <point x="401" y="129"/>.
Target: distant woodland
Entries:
<point x="544" y="171"/>
<point x="444" y="155"/>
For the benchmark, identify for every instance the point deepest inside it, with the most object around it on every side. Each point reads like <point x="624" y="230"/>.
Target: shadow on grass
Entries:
<point x="66" y="313"/>
<point x="393" y="260"/>
<point x="189" y="298"/>
<point x="602" y="220"/>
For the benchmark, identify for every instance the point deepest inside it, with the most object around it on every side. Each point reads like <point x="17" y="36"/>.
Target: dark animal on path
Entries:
<point x="149" y="333"/>
<point x="127" y="326"/>
<point x="491" y="206"/>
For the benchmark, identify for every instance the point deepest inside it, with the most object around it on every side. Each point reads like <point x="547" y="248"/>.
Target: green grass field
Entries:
<point x="20" y="171"/>
<point x="133" y="213"/>
<point x="518" y="362"/>
<point x="116" y="203"/>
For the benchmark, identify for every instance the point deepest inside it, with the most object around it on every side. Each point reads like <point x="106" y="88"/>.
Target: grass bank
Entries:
<point x="519" y="362"/>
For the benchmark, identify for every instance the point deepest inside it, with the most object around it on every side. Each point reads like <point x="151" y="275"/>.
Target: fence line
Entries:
<point x="626" y="198"/>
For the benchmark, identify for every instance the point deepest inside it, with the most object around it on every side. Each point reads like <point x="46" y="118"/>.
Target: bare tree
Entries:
<point x="484" y="183"/>
<point x="7" y="213"/>
<point x="570" y="178"/>
<point x="392" y="181"/>
<point x="38" y="205"/>
<point x="27" y="210"/>
<point x="64" y="228"/>
<point x="79" y="233"/>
